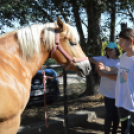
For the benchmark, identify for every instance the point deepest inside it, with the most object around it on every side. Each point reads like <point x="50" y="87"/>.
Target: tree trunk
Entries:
<point x="94" y="16"/>
<point x="93" y="82"/>
<point x="78" y="23"/>
<point x="112" y="25"/>
<point x="94" y="40"/>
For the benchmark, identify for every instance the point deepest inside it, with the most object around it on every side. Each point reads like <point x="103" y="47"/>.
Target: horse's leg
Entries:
<point x="10" y="126"/>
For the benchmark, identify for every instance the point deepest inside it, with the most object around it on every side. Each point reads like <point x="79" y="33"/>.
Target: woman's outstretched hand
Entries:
<point x="100" y="66"/>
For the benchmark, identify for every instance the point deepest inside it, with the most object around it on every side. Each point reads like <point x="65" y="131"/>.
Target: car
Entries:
<point x="37" y="88"/>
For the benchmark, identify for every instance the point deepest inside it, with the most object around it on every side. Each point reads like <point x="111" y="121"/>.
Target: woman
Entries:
<point x="107" y="85"/>
<point x="125" y="82"/>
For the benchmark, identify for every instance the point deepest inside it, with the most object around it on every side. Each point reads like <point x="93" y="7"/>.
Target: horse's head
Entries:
<point x="68" y="50"/>
<point x="60" y="39"/>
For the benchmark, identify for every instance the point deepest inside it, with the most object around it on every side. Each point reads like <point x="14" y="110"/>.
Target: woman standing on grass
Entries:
<point x="107" y="85"/>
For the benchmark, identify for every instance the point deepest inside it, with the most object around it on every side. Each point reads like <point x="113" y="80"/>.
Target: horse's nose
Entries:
<point x="83" y="68"/>
<point x="89" y="69"/>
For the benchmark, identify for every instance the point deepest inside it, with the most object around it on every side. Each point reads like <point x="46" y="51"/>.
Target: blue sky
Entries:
<point x="104" y="18"/>
<point x="119" y="20"/>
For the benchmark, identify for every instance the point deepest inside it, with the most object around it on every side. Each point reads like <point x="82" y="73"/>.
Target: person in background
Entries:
<point x="49" y="72"/>
<point x="124" y="91"/>
<point x="107" y="85"/>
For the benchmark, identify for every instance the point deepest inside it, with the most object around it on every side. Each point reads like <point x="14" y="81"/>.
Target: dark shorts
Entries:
<point x="125" y="114"/>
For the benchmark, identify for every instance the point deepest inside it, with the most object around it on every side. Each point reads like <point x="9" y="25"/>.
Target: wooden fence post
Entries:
<point x="65" y="102"/>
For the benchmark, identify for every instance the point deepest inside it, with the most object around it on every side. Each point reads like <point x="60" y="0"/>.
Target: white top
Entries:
<point x="125" y="83"/>
<point x="107" y="85"/>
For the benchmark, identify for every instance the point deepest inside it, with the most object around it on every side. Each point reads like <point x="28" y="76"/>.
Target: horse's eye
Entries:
<point x="72" y="43"/>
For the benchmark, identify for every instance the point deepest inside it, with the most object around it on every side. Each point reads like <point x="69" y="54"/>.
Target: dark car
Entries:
<point x="37" y="88"/>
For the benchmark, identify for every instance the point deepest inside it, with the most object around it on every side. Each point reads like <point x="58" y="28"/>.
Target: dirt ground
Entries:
<point x="96" y="126"/>
<point x="91" y="103"/>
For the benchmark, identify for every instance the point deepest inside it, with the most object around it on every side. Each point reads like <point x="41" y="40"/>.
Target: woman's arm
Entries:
<point x="109" y="75"/>
<point x="105" y="71"/>
<point x="112" y="70"/>
<point x="92" y="60"/>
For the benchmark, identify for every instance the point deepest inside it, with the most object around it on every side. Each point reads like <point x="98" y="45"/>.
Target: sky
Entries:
<point x="119" y="20"/>
<point x="104" y="18"/>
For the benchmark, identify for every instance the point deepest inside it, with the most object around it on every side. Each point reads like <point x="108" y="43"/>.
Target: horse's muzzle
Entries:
<point x="83" y="68"/>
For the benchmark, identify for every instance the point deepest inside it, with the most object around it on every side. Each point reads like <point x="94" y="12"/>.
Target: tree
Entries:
<point x="33" y="11"/>
<point x="112" y="10"/>
<point x="74" y="12"/>
<point x="126" y="8"/>
<point x="117" y="9"/>
<point x="94" y="17"/>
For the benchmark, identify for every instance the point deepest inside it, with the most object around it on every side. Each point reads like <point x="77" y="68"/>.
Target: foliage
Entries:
<point x="103" y="52"/>
<point x="33" y="11"/>
<point x="50" y="61"/>
<point x="77" y="13"/>
<point x="27" y="12"/>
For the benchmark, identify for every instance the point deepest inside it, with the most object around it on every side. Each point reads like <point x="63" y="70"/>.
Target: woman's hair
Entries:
<point x="117" y="52"/>
<point x="127" y="33"/>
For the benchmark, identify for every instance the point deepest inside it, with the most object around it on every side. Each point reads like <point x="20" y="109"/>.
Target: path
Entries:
<point x="73" y="78"/>
<point x="77" y="125"/>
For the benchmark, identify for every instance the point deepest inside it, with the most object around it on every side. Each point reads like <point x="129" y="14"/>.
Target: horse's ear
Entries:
<point x="60" y="24"/>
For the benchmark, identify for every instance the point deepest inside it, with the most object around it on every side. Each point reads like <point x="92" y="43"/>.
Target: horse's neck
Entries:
<point x="9" y="44"/>
<point x="38" y="60"/>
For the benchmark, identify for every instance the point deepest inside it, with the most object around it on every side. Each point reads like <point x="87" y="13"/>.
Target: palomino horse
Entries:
<point x="22" y="53"/>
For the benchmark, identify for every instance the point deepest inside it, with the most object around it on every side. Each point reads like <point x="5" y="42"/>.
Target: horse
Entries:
<point x="22" y="54"/>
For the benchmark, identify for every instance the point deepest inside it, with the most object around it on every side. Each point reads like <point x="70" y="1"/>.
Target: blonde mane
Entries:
<point x="29" y="37"/>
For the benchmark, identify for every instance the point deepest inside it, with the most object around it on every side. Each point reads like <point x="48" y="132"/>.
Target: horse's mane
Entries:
<point x="29" y="37"/>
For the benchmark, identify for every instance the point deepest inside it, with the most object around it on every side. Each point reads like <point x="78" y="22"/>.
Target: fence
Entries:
<point x="67" y="103"/>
